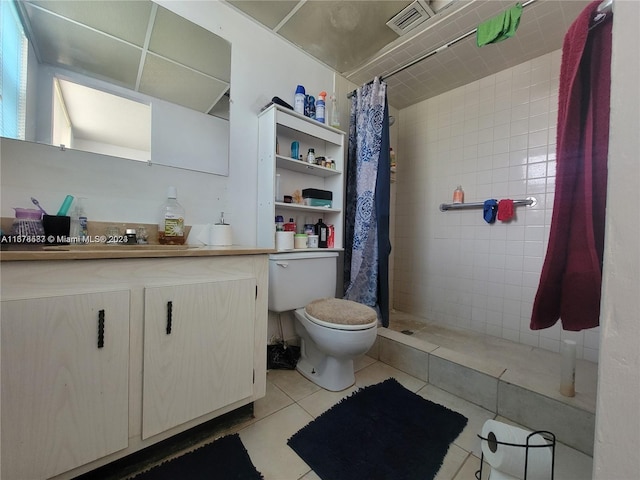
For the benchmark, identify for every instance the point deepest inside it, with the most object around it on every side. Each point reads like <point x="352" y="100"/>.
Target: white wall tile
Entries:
<point x="496" y="137"/>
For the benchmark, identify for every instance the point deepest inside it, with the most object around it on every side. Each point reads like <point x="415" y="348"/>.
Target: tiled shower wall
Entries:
<point x="496" y="138"/>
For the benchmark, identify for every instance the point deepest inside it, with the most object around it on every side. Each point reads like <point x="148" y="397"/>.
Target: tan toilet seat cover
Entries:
<point x="341" y="312"/>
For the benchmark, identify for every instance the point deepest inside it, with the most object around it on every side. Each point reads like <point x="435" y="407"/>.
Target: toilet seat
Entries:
<point x="341" y="314"/>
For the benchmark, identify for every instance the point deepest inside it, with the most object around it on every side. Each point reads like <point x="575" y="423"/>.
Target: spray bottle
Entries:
<point x="335" y="117"/>
<point x="298" y="101"/>
<point x="320" y="107"/>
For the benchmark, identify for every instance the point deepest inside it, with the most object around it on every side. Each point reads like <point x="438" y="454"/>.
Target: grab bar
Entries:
<point x="529" y="201"/>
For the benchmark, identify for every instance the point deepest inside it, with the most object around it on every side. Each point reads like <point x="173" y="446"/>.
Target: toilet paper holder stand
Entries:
<point x="548" y="436"/>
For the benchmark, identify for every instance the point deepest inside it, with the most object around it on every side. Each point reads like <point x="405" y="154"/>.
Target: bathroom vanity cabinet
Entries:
<point x="101" y="358"/>
<point x="198" y="350"/>
<point x="64" y="393"/>
<point x="278" y="128"/>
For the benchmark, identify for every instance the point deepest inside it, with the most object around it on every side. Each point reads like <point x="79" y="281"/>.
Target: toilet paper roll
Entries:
<point x="284" y="241"/>
<point x="221" y="235"/>
<point x="498" y="475"/>
<point x="510" y="460"/>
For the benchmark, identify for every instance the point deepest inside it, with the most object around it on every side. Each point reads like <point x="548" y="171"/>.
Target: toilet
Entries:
<point x="332" y="331"/>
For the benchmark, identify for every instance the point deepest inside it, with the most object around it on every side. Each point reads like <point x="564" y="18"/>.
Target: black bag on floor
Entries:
<point x="281" y="356"/>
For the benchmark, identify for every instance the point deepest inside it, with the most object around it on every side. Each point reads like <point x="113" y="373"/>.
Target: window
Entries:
<point x="13" y="73"/>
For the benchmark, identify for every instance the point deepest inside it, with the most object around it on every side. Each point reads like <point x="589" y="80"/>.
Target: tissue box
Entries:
<point x="314" y="197"/>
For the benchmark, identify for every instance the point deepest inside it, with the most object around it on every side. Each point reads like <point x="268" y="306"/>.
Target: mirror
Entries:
<point x="140" y="52"/>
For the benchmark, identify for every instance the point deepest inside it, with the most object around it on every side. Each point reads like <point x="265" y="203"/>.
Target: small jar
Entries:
<point x="130" y="233"/>
<point x="300" y="240"/>
<point x="311" y="156"/>
<point x="142" y="237"/>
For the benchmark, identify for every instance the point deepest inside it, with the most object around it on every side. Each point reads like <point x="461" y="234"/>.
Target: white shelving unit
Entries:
<point x="278" y="128"/>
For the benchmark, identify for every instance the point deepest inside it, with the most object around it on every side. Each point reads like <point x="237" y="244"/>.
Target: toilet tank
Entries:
<point x="295" y="279"/>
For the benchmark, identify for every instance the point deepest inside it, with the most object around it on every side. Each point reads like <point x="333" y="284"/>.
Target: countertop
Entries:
<point x="99" y="252"/>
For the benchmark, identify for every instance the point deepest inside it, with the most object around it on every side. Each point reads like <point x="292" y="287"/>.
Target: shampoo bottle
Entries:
<point x="322" y="232"/>
<point x="320" y="107"/>
<point x="171" y="224"/>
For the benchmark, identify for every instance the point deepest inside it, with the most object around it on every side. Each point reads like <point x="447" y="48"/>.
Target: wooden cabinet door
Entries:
<point x="198" y="350"/>
<point x="65" y="382"/>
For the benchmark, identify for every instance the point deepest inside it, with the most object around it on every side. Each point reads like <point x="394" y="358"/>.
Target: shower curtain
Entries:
<point x="366" y="271"/>
<point x="571" y="276"/>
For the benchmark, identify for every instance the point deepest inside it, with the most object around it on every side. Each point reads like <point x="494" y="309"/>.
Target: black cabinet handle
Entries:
<point x="169" y="316"/>
<point x="101" y="329"/>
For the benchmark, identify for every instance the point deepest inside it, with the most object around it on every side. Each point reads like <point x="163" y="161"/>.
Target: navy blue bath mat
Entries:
<point x="381" y="432"/>
<point x="224" y="459"/>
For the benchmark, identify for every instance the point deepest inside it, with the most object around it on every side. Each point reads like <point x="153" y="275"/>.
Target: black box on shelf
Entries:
<point x="317" y="193"/>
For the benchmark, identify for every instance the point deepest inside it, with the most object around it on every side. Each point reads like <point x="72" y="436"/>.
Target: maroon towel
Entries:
<point x="571" y="276"/>
<point x="505" y="210"/>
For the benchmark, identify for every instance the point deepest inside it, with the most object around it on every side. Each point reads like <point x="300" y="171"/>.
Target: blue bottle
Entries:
<point x="320" y="107"/>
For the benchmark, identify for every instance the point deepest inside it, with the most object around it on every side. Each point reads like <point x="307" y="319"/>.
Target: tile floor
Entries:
<point x="292" y="402"/>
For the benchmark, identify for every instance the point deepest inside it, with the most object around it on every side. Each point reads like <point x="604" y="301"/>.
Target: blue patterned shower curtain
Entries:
<point x="366" y="274"/>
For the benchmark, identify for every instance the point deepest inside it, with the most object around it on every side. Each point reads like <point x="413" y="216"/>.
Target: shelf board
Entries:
<point x="306" y="208"/>
<point x="288" y="163"/>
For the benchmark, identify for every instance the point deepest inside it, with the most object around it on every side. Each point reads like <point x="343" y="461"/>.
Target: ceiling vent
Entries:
<point x="410" y="17"/>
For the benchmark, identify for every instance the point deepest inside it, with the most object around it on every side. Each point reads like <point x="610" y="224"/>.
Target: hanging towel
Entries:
<point x="489" y="210"/>
<point x="500" y="27"/>
<point x="572" y="271"/>
<point x="505" y="210"/>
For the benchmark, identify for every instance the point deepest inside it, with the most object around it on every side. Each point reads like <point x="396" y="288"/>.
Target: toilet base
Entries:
<point x="330" y="373"/>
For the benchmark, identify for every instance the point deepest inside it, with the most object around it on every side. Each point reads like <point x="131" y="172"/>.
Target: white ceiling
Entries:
<point x="121" y="121"/>
<point x="352" y="38"/>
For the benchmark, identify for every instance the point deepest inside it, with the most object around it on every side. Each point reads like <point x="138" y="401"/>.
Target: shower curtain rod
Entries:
<point x="440" y="49"/>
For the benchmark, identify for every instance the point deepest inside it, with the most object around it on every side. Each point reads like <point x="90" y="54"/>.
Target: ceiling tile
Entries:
<point x="124" y="19"/>
<point x="198" y="48"/>
<point x="169" y="81"/>
<point x="268" y="12"/>
<point x="342" y="34"/>
<point x="107" y="58"/>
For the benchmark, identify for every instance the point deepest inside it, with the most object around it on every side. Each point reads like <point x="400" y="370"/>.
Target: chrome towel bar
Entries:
<point x="529" y="201"/>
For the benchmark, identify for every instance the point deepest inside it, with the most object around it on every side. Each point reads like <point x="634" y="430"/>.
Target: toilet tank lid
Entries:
<point x="301" y="255"/>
